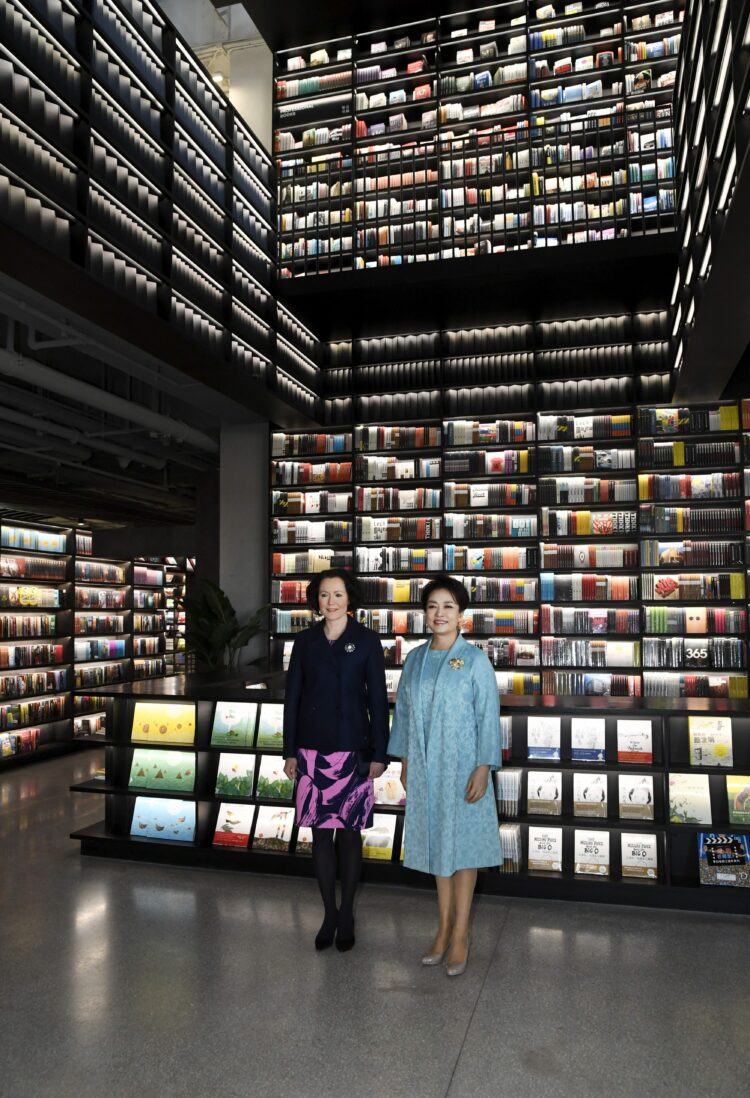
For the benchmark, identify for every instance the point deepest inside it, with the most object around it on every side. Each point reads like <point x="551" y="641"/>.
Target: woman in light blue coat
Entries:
<point x="446" y="730"/>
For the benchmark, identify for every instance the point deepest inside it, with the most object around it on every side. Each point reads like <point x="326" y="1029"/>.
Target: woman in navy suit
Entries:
<point x="335" y="736"/>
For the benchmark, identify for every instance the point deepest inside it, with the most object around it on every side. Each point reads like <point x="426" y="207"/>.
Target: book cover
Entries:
<point x="634" y="741"/>
<point x="587" y="743"/>
<point x="710" y="741"/>
<point x="544" y="793"/>
<point x="234" y="724"/>
<point x="234" y="824"/>
<point x="388" y="788"/>
<point x="235" y="775"/>
<point x="273" y="783"/>
<point x="590" y="795"/>
<point x="271" y="727"/>
<point x="273" y="829"/>
<point x="545" y="849"/>
<point x="591" y="857"/>
<point x="377" y="841"/>
<point x="304" y="842"/>
<point x="635" y="794"/>
<point x="724" y="859"/>
<point x="639" y="856"/>
<point x="689" y="799"/>
<point x="543" y="738"/>
<point x="738" y="799"/>
<point x="163" y="722"/>
<point x="157" y="818"/>
<point x="173" y="771"/>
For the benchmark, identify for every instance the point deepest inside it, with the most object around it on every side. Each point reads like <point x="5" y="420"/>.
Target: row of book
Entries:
<point x="583" y="459"/>
<point x="672" y="684"/>
<point x="600" y="524"/>
<point x="691" y="520"/>
<point x="671" y="454"/>
<point x="31" y="684"/>
<point x="318" y="443"/>
<point x="33" y="568"/>
<point x="715" y="653"/>
<point x="481" y="526"/>
<point x="562" y="652"/>
<point x="569" y="555"/>
<point x="587" y="587"/>
<point x="19" y="714"/>
<point x="19" y="743"/>
<point x="701" y="586"/>
<point x="488" y="462"/>
<point x="312" y="503"/>
<point x="653" y="486"/>
<point x="31" y="655"/>
<point x="586" y="490"/>
<point x="302" y="532"/>
<point x="13" y="626"/>
<point x="665" y="554"/>
<point x="398" y="528"/>
<point x="490" y="558"/>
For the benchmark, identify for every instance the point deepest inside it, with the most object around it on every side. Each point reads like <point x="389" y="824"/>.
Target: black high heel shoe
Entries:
<point x="324" y="937"/>
<point x="345" y="942"/>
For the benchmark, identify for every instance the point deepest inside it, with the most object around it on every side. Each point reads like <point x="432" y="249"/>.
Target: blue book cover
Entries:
<point x="724" y="859"/>
<point x="159" y="818"/>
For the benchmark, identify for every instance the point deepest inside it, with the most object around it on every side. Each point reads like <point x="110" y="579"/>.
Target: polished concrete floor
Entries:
<point x="121" y="979"/>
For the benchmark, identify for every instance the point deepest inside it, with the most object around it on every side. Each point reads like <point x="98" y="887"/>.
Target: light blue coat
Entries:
<point x="443" y="832"/>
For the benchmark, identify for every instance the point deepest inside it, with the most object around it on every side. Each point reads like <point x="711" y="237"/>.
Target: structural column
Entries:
<point x="243" y="519"/>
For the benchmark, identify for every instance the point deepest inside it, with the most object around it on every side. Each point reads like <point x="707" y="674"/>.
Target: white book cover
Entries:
<point x="546" y="848"/>
<point x="634" y="741"/>
<point x="544" y="793"/>
<point x="639" y="856"/>
<point x="377" y="841"/>
<point x="689" y="799"/>
<point x="388" y="788"/>
<point x="591" y="855"/>
<point x="543" y="737"/>
<point x="710" y="741"/>
<point x="635" y="794"/>
<point x="479" y="495"/>
<point x="590" y="795"/>
<point x="587" y="739"/>
<point x="273" y="828"/>
<point x="304" y="841"/>
<point x="583" y="426"/>
<point x="234" y="824"/>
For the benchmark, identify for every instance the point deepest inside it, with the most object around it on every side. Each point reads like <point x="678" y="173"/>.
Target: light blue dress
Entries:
<point x="443" y="832"/>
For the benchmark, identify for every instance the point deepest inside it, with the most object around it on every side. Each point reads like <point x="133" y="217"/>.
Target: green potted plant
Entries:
<point x="214" y="632"/>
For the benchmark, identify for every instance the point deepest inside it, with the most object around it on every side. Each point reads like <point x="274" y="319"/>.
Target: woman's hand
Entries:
<point x="476" y="787"/>
<point x="376" y="769"/>
<point x="290" y="768"/>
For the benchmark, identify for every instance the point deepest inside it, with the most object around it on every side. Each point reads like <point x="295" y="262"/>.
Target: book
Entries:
<point x="545" y="849"/>
<point x="738" y="799"/>
<point x="388" y="788"/>
<point x="271" y="727"/>
<point x="273" y="783"/>
<point x="304" y="841"/>
<point x="543" y="738"/>
<point x="544" y="793"/>
<point x="235" y="775"/>
<point x="169" y="770"/>
<point x="635" y="795"/>
<point x="587" y="743"/>
<point x="378" y="840"/>
<point x="591" y="855"/>
<point x="234" y="824"/>
<point x="159" y="818"/>
<point x="689" y="799"/>
<point x="163" y="722"/>
<point x="639" y="856"/>
<point x="710" y="741"/>
<point x="273" y="829"/>
<point x="634" y="741"/>
<point x="590" y="795"/>
<point x="234" y="724"/>
<point x="724" y="859"/>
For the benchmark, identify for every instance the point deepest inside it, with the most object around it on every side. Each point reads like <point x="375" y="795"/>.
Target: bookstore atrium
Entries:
<point x="407" y="291"/>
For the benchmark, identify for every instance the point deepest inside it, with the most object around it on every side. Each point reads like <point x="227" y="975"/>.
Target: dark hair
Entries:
<point x="446" y="583"/>
<point x="353" y="590"/>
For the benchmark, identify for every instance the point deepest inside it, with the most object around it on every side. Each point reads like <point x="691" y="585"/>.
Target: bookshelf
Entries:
<point x="149" y="618"/>
<point x="36" y="581"/>
<point x="102" y="644"/>
<point x="436" y="139"/>
<point x="176" y="577"/>
<point x="613" y="766"/>
<point x="694" y="591"/>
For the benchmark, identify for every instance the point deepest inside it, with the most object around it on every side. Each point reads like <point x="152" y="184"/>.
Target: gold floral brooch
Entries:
<point x="456" y="663"/>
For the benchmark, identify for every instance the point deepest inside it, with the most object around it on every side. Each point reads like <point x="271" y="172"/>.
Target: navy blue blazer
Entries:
<point x="336" y="698"/>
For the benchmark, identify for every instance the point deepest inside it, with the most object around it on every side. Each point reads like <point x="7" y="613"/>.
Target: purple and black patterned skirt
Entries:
<point x="331" y="791"/>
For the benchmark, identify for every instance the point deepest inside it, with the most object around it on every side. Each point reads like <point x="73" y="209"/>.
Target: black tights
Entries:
<point x="349" y="846"/>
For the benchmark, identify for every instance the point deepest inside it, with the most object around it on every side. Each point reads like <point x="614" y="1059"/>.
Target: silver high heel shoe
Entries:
<point x="433" y="958"/>
<point x="459" y="968"/>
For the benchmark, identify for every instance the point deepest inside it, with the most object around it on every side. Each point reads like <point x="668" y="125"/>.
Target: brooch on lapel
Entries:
<point x="456" y="663"/>
<point x="349" y="648"/>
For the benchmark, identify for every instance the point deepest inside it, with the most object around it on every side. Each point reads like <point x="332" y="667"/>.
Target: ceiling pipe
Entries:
<point x="28" y="370"/>
<point x="20" y="439"/>
<point x="45" y="427"/>
<point x="34" y="404"/>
